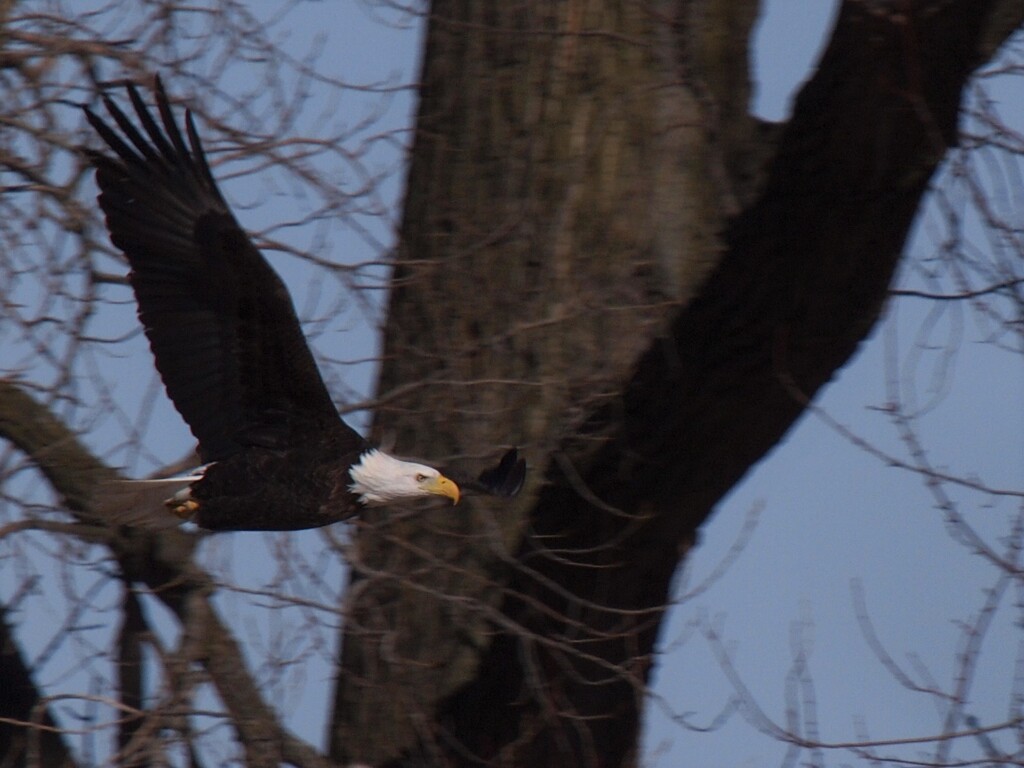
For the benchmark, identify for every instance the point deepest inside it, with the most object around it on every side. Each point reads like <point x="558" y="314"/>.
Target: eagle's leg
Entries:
<point x="182" y="505"/>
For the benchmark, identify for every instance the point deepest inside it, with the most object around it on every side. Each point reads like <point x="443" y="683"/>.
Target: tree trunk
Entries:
<point x="605" y="261"/>
<point x="22" y="703"/>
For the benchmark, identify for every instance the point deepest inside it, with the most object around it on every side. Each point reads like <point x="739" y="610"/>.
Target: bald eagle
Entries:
<point x="230" y="350"/>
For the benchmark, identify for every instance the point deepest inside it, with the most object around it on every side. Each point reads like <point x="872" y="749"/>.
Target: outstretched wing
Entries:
<point x="222" y="327"/>
<point x="504" y="479"/>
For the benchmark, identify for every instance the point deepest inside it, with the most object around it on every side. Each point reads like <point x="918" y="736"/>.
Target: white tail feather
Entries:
<point x="141" y="503"/>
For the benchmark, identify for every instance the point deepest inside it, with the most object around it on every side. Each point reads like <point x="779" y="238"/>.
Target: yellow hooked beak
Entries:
<point x="442" y="486"/>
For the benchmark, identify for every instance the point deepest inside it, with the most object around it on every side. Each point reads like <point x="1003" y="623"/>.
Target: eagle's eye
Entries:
<point x="420" y="477"/>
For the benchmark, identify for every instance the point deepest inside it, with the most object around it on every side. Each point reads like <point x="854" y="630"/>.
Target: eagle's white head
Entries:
<point x="380" y="479"/>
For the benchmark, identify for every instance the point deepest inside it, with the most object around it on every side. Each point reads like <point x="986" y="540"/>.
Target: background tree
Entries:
<point x="602" y="258"/>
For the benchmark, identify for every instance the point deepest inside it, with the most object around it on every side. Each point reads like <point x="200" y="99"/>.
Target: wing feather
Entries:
<point x="504" y="479"/>
<point x="222" y="327"/>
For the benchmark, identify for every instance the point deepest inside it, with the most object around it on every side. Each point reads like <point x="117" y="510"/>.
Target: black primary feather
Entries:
<point x="506" y="479"/>
<point x="221" y="324"/>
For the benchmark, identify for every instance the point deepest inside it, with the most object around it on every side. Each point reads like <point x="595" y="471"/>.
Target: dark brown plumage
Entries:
<point x="229" y="346"/>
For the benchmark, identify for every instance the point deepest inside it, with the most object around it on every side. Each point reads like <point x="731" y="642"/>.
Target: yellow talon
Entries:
<point x="185" y="509"/>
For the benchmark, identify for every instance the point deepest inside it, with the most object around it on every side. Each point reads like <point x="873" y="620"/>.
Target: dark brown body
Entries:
<point x="303" y="486"/>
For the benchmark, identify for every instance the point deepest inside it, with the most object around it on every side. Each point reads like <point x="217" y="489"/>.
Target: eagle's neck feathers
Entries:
<point x="379" y="479"/>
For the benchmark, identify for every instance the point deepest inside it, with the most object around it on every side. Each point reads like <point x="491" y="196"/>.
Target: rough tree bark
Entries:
<point x="606" y="261"/>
